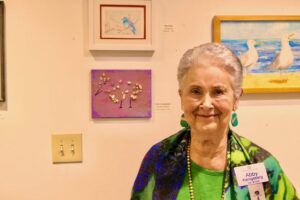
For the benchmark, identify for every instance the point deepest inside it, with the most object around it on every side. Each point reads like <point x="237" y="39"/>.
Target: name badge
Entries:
<point x="251" y="174"/>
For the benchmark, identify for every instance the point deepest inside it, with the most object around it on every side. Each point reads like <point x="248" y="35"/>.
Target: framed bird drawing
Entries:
<point x="268" y="48"/>
<point x="120" y="25"/>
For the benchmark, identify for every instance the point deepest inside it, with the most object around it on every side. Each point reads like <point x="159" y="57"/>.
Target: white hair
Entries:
<point x="218" y="53"/>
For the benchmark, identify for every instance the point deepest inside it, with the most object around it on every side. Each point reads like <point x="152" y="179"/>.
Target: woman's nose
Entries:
<point x="206" y="102"/>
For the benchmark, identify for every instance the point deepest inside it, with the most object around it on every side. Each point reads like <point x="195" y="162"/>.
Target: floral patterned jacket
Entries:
<point x="163" y="168"/>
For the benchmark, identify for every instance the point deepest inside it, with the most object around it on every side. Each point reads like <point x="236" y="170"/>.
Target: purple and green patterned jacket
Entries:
<point x="163" y="169"/>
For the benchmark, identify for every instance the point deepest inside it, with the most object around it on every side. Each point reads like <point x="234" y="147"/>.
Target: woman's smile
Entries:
<point x="207" y="116"/>
<point x="207" y="98"/>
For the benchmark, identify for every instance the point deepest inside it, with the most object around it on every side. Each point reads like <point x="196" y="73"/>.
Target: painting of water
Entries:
<point x="268" y="38"/>
<point x="269" y="50"/>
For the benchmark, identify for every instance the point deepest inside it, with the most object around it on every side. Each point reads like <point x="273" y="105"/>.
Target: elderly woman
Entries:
<point x="206" y="159"/>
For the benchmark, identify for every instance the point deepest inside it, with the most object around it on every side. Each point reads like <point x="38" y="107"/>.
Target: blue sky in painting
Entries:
<point x="258" y="30"/>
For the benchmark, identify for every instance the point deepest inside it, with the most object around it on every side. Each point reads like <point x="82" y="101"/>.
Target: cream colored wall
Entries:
<point x="48" y="90"/>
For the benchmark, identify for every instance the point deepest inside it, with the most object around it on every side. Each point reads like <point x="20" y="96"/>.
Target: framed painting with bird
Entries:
<point x="268" y="48"/>
<point x="120" y="25"/>
<point x="119" y="21"/>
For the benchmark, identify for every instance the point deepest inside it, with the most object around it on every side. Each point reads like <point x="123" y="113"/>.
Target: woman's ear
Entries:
<point x="236" y="105"/>
<point x="242" y="92"/>
<point x="180" y="95"/>
<point x="237" y="99"/>
<point x="179" y="92"/>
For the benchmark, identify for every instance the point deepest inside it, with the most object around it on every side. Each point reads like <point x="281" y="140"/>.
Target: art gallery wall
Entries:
<point x="48" y="68"/>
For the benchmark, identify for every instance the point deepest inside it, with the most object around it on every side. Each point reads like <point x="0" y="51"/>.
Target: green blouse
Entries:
<point x="207" y="184"/>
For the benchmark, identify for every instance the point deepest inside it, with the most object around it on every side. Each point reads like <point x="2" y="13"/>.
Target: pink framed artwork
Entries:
<point x="121" y="93"/>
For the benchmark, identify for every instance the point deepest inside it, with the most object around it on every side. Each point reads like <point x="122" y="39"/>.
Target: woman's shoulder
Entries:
<point x="170" y="143"/>
<point x="279" y="186"/>
<point x="256" y="153"/>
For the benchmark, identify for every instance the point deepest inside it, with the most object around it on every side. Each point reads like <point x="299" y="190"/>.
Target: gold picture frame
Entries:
<point x="268" y="47"/>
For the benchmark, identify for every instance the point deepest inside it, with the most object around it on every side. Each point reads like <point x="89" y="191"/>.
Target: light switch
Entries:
<point x="66" y="148"/>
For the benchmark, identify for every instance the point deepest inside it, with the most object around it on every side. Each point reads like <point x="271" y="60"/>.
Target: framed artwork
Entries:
<point x="2" y="79"/>
<point x="268" y="48"/>
<point x="121" y="93"/>
<point x="120" y="25"/>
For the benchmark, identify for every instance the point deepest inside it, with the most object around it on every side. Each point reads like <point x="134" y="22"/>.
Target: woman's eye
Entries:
<point x="219" y="92"/>
<point x="195" y="91"/>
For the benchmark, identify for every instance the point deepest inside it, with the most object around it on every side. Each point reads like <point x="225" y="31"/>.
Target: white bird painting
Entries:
<point x="250" y="57"/>
<point x="285" y="58"/>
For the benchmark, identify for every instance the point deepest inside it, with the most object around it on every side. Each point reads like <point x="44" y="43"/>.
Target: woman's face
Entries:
<point x="207" y="97"/>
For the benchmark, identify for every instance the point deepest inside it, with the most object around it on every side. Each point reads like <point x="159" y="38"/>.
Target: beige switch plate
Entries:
<point x="67" y="148"/>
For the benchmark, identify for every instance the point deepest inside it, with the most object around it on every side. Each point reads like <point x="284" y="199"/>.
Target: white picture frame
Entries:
<point x="120" y="25"/>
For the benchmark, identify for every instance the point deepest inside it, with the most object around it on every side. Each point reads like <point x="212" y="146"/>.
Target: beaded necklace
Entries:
<point x="191" y="189"/>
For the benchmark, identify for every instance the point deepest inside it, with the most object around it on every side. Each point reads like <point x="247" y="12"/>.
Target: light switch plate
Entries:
<point x="67" y="148"/>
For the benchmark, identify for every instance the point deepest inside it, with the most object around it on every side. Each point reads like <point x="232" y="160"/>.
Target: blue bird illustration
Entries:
<point x="129" y="23"/>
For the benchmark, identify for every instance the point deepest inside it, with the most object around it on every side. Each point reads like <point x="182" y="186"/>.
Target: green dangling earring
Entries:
<point x="234" y="119"/>
<point x="183" y="123"/>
